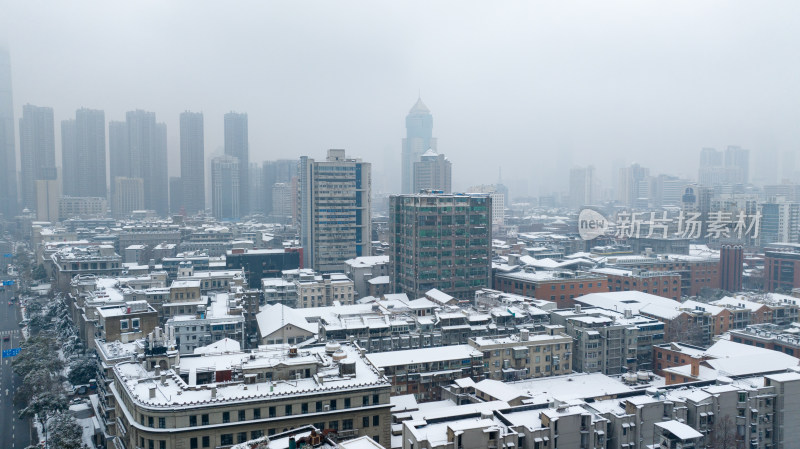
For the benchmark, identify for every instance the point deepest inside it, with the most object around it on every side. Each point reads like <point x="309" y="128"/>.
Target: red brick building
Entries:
<point x="731" y="261"/>
<point x="661" y="283"/>
<point x="559" y="287"/>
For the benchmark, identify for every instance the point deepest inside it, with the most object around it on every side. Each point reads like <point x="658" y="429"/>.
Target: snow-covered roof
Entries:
<point x="679" y="429"/>
<point x="423" y="355"/>
<point x="226" y="345"/>
<point x="271" y="318"/>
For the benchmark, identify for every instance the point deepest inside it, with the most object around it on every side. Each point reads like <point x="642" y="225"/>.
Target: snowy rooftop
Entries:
<point x="423" y="355"/>
<point x="174" y="392"/>
<point x="367" y="261"/>
<point x="568" y="387"/>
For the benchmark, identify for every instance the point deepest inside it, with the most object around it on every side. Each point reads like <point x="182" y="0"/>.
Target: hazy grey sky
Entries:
<point x="533" y="87"/>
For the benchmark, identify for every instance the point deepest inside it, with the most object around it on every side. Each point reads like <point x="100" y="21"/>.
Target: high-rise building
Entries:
<point x="141" y="152"/>
<point x="236" y="145"/>
<point x="334" y="210"/>
<point x="731" y="266"/>
<point x="497" y="192"/>
<point x="433" y="172"/>
<point x="280" y="171"/>
<point x="128" y="196"/>
<point x="83" y="154"/>
<point x="737" y="160"/>
<point x="48" y="191"/>
<point x="780" y="221"/>
<point x="440" y="241"/>
<point x="634" y="186"/>
<point x="225" y="187"/>
<point x="281" y="200"/>
<point x="582" y="186"/>
<point x="176" y="195"/>
<point x="37" y="150"/>
<point x="418" y="140"/>
<point x="193" y="174"/>
<point x="257" y="190"/>
<point x="117" y="152"/>
<point x="8" y="153"/>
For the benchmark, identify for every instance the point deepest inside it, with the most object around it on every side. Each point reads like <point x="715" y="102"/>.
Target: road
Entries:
<point x="14" y="433"/>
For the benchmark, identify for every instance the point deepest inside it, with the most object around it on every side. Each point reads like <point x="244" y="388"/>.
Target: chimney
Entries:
<point x="628" y="313"/>
<point x="213" y="392"/>
<point x="577" y="309"/>
<point x="695" y="372"/>
<point x="158" y="370"/>
<point x="152" y="391"/>
<point x="163" y="378"/>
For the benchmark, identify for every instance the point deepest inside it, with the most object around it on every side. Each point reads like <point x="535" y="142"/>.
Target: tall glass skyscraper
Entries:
<point x="419" y="131"/>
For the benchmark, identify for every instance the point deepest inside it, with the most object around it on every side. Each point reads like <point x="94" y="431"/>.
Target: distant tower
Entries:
<point x="731" y="261"/>
<point x="37" y="150"/>
<point x="236" y="145"/>
<point x="83" y="154"/>
<point x="419" y="132"/>
<point x="193" y="173"/>
<point x="225" y="183"/>
<point x="8" y="154"/>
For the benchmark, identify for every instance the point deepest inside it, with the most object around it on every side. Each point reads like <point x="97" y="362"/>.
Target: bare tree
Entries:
<point x="723" y="435"/>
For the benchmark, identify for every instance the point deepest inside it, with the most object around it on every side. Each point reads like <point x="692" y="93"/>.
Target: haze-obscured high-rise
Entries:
<point x="8" y="154"/>
<point x="418" y="140"/>
<point x="83" y="154"/>
<point x="37" y="150"/>
<point x="193" y="173"/>
<point x="236" y="145"/>
<point x="140" y="152"/>
<point x="225" y="181"/>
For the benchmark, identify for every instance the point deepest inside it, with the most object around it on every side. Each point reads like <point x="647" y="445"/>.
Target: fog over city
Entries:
<point x="531" y="88"/>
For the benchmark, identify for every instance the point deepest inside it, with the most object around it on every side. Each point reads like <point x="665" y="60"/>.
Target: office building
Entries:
<point x="418" y="140"/>
<point x="440" y="241"/>
<point x="263" y="263"/>
<point x="334" y="210"/>
<point x="433" y="172"/>
<point x="724" y="168"/>
<point x="236" y="145"/>
<point x="128" y="196"/>
<point x="8" y="153"/>
<point x="225" y="187"/>
<point x="37" y="150"/>
<point x="83" y="154"/>
<point x="737" y="160"/>
<point x="257" y="190"/>
<point x="498" y="193"/>
<point x="193" y="173"/>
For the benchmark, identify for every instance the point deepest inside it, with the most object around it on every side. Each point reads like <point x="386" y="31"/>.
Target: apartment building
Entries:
<point x="561" y="287"/>
<point x="525" y="355"/>
<point x="213" y="401"/>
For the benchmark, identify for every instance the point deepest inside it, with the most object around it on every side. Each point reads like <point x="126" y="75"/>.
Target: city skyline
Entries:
<point x="560" y="103"/>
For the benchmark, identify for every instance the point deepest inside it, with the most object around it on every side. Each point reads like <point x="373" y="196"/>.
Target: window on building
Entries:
<point x="347" y="424"/>
<point x="304" y="408"/>
<point x="346" y="402"/>
<point x="256" y="413"/>
<point x="376" y="420"/>
<point x="206" y="441"/>
<point x="226" y="439"/>
<point x="365" y="422"/>
<point x="226" y="417"/>
<point x="204" y="420"/>
<point x="193" y="443"/>
<point x="162" y="423"/>
<point x="272" y="412"/>
<point x="241" y="437"/>
<point x="288" y="410"/>
<point x="192" y="420"/>
<point x="241" y="415"/>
